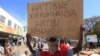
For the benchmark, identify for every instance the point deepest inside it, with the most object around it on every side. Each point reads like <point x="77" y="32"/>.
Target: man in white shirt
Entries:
<point x="1" y="50"/>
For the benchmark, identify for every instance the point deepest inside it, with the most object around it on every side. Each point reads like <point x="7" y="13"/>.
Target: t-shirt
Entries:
<point x="63" y="47"/>
<point x="23" y="55"/>
<point x="1" y="49"/>
<point x="58" y="53"/>
<point x="70" y="52"/>
<point x="46" y="53"/>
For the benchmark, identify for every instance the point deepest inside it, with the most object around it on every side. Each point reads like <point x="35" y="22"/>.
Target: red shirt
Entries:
<point x="63" y="47"/>
<point x="62" y="52"/>
<point x="57" y="53"/>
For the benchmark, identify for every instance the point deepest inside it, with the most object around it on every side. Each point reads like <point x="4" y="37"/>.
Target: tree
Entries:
<point x="96" y="28"/>
<point x="89" y="23"/>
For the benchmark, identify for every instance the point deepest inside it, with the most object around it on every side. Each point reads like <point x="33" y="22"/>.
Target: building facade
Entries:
<point x="9" y="26"/>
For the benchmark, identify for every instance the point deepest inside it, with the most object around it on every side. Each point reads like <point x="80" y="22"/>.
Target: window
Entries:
<point x="25" y="28"/>
<point x="2" y="19"/>
<point x="18" y="27"/>
<point x="9" y="23"/>
<point x="15" y="26"/>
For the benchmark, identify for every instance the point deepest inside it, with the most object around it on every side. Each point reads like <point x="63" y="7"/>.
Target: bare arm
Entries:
<point x="79" y="45"/>
<point x="28" y="43"/>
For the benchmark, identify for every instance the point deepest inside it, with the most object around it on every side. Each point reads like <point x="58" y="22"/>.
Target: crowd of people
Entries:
<point x="7" y="46"/>
<point x="89" y="46"/>
<point x="55" y="47"/>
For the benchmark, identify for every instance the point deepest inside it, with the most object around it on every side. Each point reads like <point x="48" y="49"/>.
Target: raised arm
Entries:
<point x="79" y="45"/>
<point x="28" y="43"/>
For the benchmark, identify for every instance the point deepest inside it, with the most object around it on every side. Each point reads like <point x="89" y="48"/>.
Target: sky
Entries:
<point x="18" y="8"/>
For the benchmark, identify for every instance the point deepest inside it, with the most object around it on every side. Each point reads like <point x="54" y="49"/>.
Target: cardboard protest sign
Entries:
<point x="55" y="18"/>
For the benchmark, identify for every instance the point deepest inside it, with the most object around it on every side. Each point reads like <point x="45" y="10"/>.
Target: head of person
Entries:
<point x="53" y="44"/>
<point x="62" y="41"/>
<point x="26" y="52"/>
<point x="28" y="35"/>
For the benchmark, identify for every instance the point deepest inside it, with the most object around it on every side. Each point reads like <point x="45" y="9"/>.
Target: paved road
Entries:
<point x="21" y="49"/>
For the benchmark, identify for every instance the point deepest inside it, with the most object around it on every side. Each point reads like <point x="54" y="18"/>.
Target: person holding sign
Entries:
<point x="54" y="46"/>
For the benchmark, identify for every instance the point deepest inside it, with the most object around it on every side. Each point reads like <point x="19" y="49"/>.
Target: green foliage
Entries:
<point x="96" y="29"/>
<point x="93" y="25"/>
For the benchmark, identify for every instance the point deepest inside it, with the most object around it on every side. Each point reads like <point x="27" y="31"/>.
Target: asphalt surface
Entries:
<point x="21" y="49"/>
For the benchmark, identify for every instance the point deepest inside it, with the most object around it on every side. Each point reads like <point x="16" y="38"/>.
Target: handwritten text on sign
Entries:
<point x="61" y="18"/>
